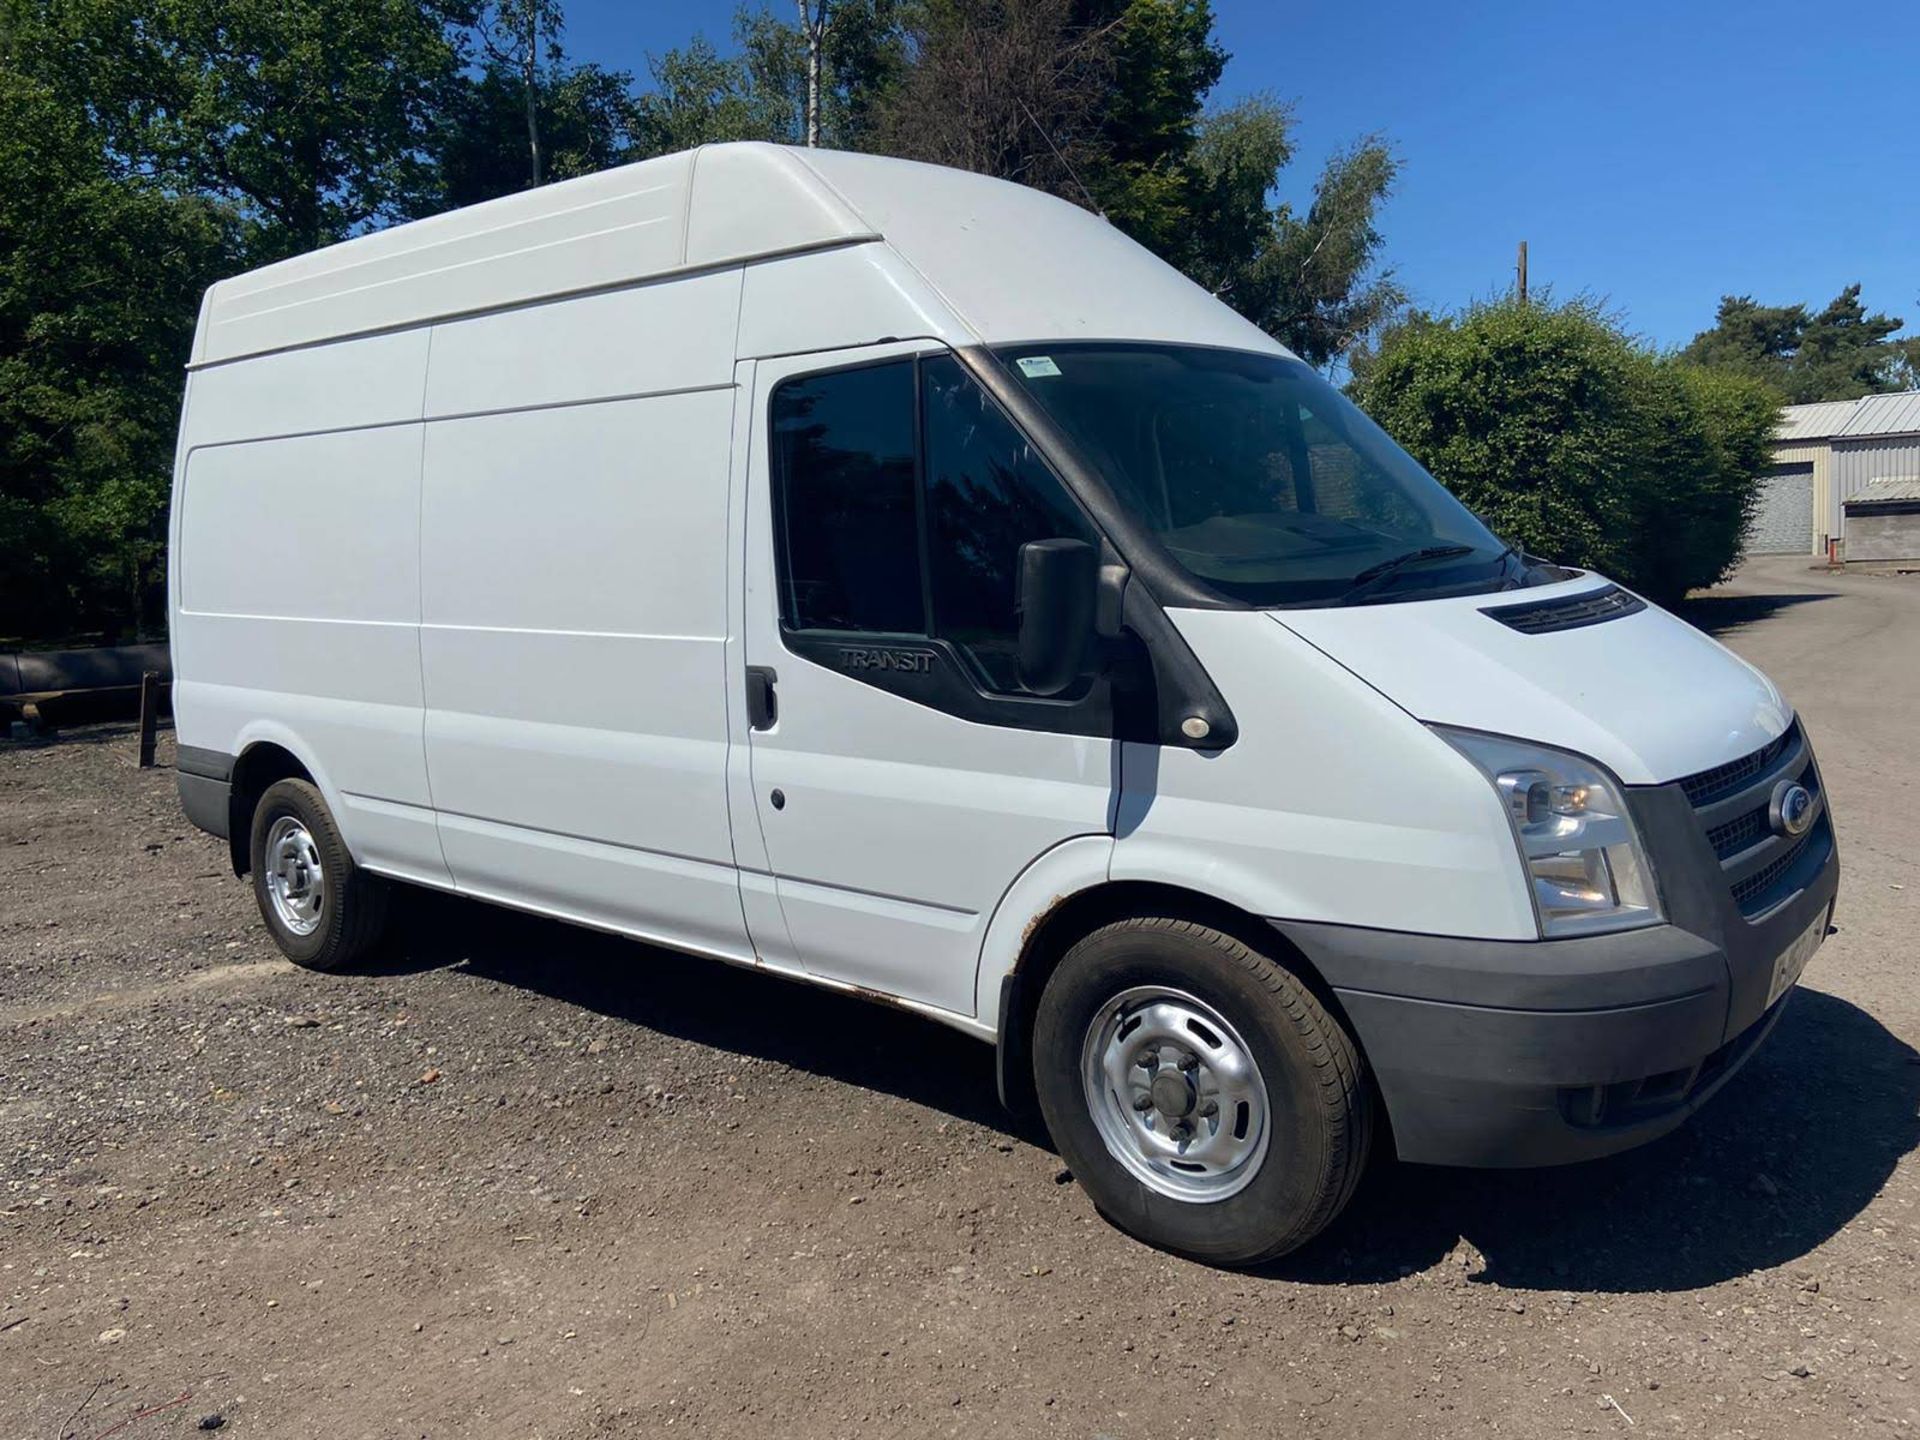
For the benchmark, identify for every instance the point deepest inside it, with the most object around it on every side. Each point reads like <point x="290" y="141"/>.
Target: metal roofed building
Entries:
<point x="1883" y="521"/>
<point x="1823" y="455"/>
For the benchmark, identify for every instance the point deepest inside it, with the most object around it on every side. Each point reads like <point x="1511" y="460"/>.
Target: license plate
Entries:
<point x="1794" y="958"/>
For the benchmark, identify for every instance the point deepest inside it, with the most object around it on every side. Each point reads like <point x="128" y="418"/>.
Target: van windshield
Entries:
<point x="1259" y="477"/>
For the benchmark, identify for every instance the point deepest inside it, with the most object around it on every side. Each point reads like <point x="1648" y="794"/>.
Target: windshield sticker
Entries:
<point x="1037" y="367"/>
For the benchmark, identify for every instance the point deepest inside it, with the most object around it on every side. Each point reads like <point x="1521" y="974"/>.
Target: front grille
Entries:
<point x="1741" y="834"/>
<point x="1711" y="785"/>
<point x="1591" y="607"/>
<point x="1754" y="892"/>
<point x="1744" y="831"/>
<point x="1734" y="804"/>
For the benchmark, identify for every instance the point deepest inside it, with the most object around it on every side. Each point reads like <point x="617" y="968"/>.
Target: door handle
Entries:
<point x="762" y="706"/>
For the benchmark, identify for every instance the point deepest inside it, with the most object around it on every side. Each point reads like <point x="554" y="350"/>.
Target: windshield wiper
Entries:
<point x="1374" y="576"/>
<point x="1516" y="581"/>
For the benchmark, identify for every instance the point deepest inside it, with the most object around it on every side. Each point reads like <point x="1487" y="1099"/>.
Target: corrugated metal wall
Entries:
<point x="1855" y="462"/>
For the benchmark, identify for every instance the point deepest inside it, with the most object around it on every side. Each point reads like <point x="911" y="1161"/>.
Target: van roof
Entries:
<point x="1013" y="263"/>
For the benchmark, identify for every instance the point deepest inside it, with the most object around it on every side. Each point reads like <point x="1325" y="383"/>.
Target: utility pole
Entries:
<point x="813" y="24"/>
<point x="1520" y="269"/>
<point x="530" y="61"/>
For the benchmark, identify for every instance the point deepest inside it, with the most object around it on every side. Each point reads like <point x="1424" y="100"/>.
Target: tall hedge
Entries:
<point x="1576" y="442"/>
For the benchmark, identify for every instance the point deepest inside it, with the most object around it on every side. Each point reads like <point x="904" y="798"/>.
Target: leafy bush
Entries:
<point x="1574" y="441"/>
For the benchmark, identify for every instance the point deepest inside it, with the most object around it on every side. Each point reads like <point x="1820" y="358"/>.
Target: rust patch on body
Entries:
<point x="881" y="997"/>
<point x="1033" y="925"/>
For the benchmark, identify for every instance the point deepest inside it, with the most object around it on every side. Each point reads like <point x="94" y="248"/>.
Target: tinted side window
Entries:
<point x="988" y="493"/>
<point x="843" y="486"/>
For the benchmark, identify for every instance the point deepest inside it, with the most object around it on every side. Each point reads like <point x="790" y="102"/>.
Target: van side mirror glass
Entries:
<point x="1059" y="584"/>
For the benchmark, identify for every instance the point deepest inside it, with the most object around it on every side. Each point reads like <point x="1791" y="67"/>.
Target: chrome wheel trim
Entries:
<point x="1175" y="1094"/>
<point x="296" y="881"/>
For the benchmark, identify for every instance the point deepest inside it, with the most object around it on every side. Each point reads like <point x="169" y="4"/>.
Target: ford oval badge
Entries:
<point x="1792" y="809"/>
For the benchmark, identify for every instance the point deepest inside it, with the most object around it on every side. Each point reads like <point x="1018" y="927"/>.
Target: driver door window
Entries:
<point x="902" y="497"/>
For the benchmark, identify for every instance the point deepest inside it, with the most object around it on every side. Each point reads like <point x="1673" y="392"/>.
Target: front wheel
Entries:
<point x="1206" y="1100"/>
<point x="324" y="911"/>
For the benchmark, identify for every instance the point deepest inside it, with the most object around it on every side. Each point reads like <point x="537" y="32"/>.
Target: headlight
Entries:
<point x="1582" y="855"/>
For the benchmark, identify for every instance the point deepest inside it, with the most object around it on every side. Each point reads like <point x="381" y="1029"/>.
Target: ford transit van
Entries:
<point x="899" y="580"/>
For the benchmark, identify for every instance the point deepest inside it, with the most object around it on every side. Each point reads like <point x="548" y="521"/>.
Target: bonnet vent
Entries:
<point x="1571" y="612"/>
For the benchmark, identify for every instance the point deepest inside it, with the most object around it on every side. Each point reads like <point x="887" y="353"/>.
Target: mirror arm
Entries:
<point x="1110" y="601"/>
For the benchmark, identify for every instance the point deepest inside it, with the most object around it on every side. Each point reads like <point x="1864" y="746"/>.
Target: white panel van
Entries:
<point x="899" y="580"/>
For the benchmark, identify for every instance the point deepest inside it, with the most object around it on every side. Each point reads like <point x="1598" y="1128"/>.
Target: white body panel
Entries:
<point x="471" y="516"/>
<point x="1070" y="868"/>
<point x="1332" y="805"/>
<point x="572" y="656"/>
<point x="296" y="581"/>
<point x="649" y="340"/>
<point x="1019" y="265"/>
<point x="1004" y="262"/>
<point x="677" y="214"/>
<point x="902" y="827"/>
<point x="377" y="380"/>
<point x="838" y="299"/>
<point x="1648" y="696"/>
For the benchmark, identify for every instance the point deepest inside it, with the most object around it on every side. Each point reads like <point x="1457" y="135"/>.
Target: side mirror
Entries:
<point x="1059" y="584"/>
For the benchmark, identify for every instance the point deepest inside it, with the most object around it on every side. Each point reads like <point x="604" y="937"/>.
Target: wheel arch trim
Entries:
<point x="1067" y="893"/>
<point x="1052" y="878"/>
<point x="256" y="735"/>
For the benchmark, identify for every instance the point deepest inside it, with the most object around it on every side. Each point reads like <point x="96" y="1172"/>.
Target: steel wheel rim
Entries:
<point x="296" y="881"/>
<point x="1175" y="1094"/>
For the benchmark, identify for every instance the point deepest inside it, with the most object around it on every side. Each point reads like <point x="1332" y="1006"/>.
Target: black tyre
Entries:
<point x="1202" y="1096"/>
<point x="323" y="910"/>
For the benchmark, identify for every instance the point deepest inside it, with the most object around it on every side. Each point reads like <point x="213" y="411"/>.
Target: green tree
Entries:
<point x="312" y="118"/>
<point x="1575" y="442"/>
<point x="1838" y="353"/>
<point x="1010" y="88"/>
<point x="866" y="56"/>
<point x="1714" y="432"/>
<point x="515" y="36"/>
<point x="100" y="279"/>
<point x="586" y="117"/>
<point x="1313" y="281"/>
<point x="701" y="96"/>
<point x="1164" y="63"/>
<point x="1103" y="102"/>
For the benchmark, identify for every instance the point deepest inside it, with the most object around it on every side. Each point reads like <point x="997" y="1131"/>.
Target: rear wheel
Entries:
<point x="1205" y="1099"/>
<point x="324" y="911"/>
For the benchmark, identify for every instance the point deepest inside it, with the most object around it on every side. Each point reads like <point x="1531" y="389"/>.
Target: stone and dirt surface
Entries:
<point x="521" y="1180"/>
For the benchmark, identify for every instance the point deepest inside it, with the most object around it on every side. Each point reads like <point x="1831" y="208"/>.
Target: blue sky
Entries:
<point x="1655" y="155"/>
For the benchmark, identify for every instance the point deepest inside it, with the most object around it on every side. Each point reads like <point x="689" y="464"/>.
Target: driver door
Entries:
<point x="901" y="778"/>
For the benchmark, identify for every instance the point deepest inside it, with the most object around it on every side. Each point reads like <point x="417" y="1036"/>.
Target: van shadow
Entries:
<point x="1721" y="615"/>
<point x="1793" y="1149"/>
<point x="727" y="1007"/>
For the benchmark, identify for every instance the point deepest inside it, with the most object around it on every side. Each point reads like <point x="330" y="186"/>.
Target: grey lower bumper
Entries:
<point x="1506" y="1053"/>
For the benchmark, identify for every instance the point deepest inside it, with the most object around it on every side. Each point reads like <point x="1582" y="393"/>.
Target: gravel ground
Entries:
<point x="527" y="1181"/>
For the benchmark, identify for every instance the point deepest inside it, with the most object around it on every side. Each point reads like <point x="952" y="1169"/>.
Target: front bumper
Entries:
<point x="1515" y="1053"/>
